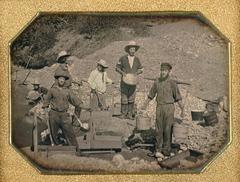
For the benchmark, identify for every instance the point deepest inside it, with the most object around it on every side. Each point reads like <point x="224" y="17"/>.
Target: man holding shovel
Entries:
<point x="129" y="66"/>
<point x="167" y="93"/>
<point x="59" y="97"/>
<point x="98" y="81"/>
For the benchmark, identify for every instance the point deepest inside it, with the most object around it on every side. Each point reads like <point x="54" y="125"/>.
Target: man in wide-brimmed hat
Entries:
<point x="98" y="81"/>
<point x="62" y="59"/>
<point x="167" y="93"/>
<point x="129" y="66"/>
<point x="58" y="98"/>
<point x="37" y="93"/>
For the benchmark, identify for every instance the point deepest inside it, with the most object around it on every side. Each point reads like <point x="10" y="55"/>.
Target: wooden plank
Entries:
<point x="35" y="134"/>
<point x="56" y="148"/>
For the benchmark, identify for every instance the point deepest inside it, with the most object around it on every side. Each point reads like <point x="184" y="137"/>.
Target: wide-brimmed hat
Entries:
<point x="166" y="66"/>
<point x="36" y="82"/>
<point x="131" y="44"/>
<point x="61" y="73"/>
<point x="61" y="55"/>
<point x="102" y="63"/>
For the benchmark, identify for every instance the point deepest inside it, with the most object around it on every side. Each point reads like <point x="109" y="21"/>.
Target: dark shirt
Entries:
<point x="167" y="92"/>
<point x="59" y="99"/>
<point x="123" y="64"/>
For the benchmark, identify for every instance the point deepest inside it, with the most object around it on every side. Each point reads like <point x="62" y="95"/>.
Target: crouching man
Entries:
<point x="167" y="93"/>
<point x="59" y="97"/>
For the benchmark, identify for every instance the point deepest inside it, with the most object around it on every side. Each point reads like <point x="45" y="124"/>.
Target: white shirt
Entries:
<point x="130" y="60"/>
<point x="99" y="80"/>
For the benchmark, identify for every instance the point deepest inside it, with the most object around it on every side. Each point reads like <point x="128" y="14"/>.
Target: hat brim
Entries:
<point x="59" y="59"/>
<point x="66" y="78"/>
<point x="104" y="66"/>
<point x="128" y="47"/>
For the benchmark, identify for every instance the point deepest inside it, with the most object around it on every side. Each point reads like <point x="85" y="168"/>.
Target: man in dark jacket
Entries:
<point x="167" y="93"/>
<point x="129" y="65"/>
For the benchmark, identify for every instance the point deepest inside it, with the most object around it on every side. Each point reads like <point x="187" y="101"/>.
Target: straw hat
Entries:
<point x="61" y="55"/>
<point x="102" y="63"/>
<point x="131" y="44"/>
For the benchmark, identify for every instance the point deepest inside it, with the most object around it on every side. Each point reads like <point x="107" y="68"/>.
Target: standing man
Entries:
<point x="98" y="81"/>
<point x="129" y="66"/>
<point x="58" y="98"/>
<point x="167" y="93"/>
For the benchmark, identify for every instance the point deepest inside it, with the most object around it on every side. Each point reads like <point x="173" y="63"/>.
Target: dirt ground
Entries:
<point x="199" y="56"/>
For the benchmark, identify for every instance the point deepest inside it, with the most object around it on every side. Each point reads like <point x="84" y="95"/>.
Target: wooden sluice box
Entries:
<point x="89" y="142"/>
<point x="92" y="141"/>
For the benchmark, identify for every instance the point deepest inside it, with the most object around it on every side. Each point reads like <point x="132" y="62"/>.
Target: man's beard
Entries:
<point x="163" y="78"/>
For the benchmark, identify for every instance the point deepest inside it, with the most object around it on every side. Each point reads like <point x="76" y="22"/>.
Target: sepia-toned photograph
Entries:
<point x="120" y="93"/>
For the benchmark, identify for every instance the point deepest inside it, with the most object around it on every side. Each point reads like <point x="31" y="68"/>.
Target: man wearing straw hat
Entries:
<point x="167" y="93"/>
<point x="37" y="93"/>
<point x="98" y="81"/>
<point x="129" y="66"/>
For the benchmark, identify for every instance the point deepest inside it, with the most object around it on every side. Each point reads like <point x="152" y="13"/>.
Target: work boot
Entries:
<point x="166" y="152"/>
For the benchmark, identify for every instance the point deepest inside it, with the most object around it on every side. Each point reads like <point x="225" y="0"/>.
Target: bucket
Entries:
<point x="210" y="118"/>
<point x="143" y="122"/>
<point x="117" y="109"/>
<point x="180" y="131"/>
<point x="197" y="115"/>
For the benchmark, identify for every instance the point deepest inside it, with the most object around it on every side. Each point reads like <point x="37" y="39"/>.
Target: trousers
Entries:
<point x="164" y="122"/>
<point x="62" y="120"/>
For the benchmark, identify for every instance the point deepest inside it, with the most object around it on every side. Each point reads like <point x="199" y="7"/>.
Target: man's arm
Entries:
<point x="119" y="67"/>
<point x="140" y="67"/>
<point x="91" y="81"/>
<point x="151" y="95"/>
<point x="47" y="99"/>
<point x="181" y="106"/>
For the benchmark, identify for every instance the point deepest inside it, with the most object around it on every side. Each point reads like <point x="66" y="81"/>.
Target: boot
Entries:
<point x="124" y="111"/>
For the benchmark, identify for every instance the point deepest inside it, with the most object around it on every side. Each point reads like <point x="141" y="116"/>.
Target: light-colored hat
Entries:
<point x="61" y="55"/>
<point x="102" y="63"/>
<point x="36" y="82"/>
<point x="131" y="44"/>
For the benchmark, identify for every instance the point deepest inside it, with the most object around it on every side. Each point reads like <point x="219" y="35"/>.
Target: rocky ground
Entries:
<point x="199" y="57"/>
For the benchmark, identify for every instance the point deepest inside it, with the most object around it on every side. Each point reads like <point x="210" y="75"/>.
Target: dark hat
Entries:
<point x="61" y="73"/>
<point x="166" y="66"/>
<point x="131" y="44"/>
<point x="61" y="55"/>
